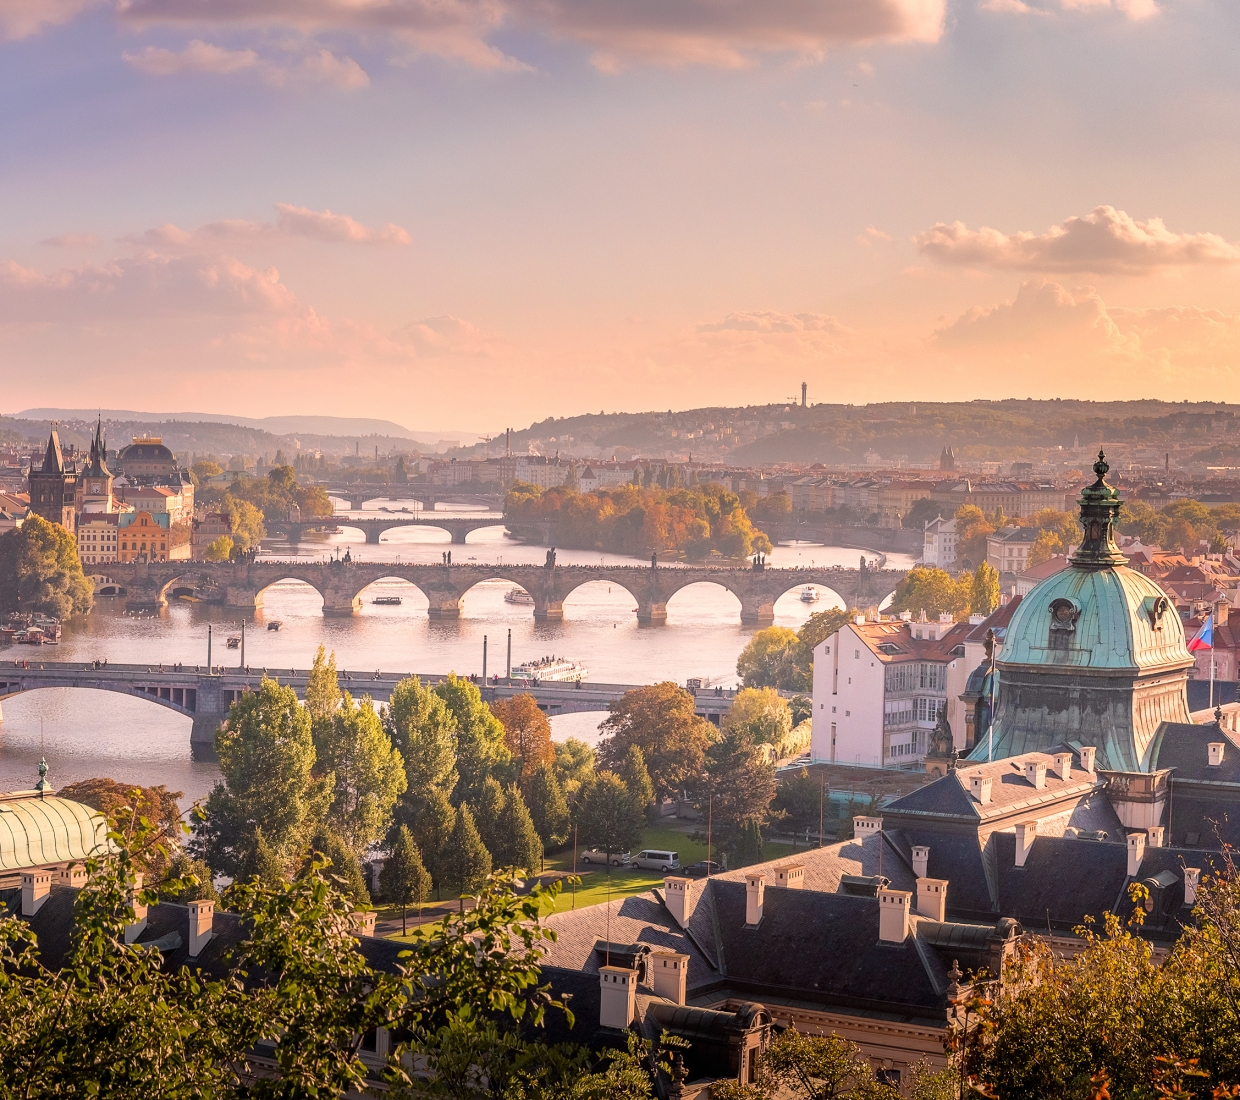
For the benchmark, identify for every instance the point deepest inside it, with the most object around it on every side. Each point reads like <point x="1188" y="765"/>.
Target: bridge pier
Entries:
<point x="458" y="535"/>
<point x="651" y="614"/>
<point x="205" y="726"/>
<point x="444" y="606"/>
<point x="372" y="536"/>
<point x="292" y="532"/>
<point x="239" y="597"/>
<point x="758" y="612"/>
<point x="548" y="611"/>
<point x="341" y="603"/>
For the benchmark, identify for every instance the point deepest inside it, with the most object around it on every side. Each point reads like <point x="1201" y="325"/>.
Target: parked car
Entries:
<point x="654" y="859"/>
<point x="618" y="859"/>
<point x="703" y="868"/>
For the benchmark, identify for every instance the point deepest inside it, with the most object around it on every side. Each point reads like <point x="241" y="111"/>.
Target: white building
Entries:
<point x="96" y="537"/>
<point x="879" y="687"/>
<point x="940" y="544"/>
<point x="1007" y="550"/>
<point x="542" y="471"/>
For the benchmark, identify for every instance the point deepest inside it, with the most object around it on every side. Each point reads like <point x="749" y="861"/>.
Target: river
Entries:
<point x="89" y="733"/>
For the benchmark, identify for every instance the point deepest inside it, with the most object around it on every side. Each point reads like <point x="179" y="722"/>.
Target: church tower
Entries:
<point x="53" y="488"/>
<point x="94" y="486"/>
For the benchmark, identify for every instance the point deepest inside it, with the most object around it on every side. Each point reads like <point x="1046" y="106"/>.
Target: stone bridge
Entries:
<point x="457" y="526"/>
<point x="146" y="585"/>
<point x="357" y="495"/>
<point x="204" y="695"/>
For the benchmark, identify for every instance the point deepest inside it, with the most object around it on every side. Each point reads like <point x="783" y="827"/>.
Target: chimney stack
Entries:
<point x="1136" y="853"/>
<point x="134" y="929"/>
<point x="1026" y="834"/>
<point x="921" y="860"/>
<point x="680" y="898"/>
<point x="363" y="922"/>
<point x="866" y="827"/>
<point x="1215" y="749"/>
<point x="979" y="788"/>
<point x="1157" y="836"/>
<point x="1088" y="752"/>
<point x="72" y="875"/>
<point x="618" y="997"/>
<point x="36" y="885"/>
<point x="1035" y="774"/>
<point x="1192" y="875"/>
<point x="1063" y="765"/>
<point x="791" y="876"/>
<point x="932" y="898"/>
<point x="893" y="907"/>
<point x="671" y="975"/>
<point x="755" y="892"/>
<point x="201" y="917"/>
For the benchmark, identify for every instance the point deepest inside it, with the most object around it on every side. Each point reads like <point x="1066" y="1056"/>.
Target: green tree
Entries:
<point x="467" y="861"/>
<point x="206" y="470"/>
<point x="659" y="720"/>
<point x="431" y="824"/>
<point x="772" y="659"/>
<point x="574" y="766"/>
<point x="548" y="807"/>
<point x="800" y="799"/>
<point x="740" y="785"/>
<point x="220" y="549"/>
<point x="187" y="880"/>
<point x="518" y="846"/>
<point x="637" y="779"/>
<point x="40" y="571"/>
<point x="346" y="866"/>
<point x="322" y="689"/>
<point x="1137" y="517"/>
<point x="810" y="1067"/>
<point x="480" y="748"/>
<point x="760" y="714"/>
<point x="364" y="771"/>
<point x="266" y="756"/>
<point x="932" y="590"/>
<point x="822" y="624"/>
<point x="403" y="880"/>
<point x="488" y="813"/>
<point x="607" y="817"/>
<point x="984" y="590"/>
<point x="424" y="730"/>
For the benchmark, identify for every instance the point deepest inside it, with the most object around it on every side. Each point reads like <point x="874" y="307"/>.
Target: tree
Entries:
<point x="659" y="720"/>
<point x="547" y="806"/>
<point x="424" y="730"/>
<point x="488" y="812"/>
<point x="220" y="549"/>
<point x="972" y="527"/>
<point x="363" y="769"/>
<point x="740" y="785"/>
<point x="480" y="747"/>
<point x="800" y="799"/>
<point x="157" y="804"/>
<point x="760" y="714"/>
<point x="206" y="470"/>
<point x="1045" y="547"/>
<point x="608" y="819"/>
<point x="346" y="867"/>
<point x="187" y="880"/>
<point x="527" y="733"/>
<point x="40" y="571"/>
<point x="248" y="529"/>
<point x="518" y="846"/>
<point x="574" y="766"/>
<point x="322" y="688"/>
<point x="403" y="880"/>
<point x="467" y="862"/>
<point x="810" y="1067"/>
<point x="932" y="590"/>
<point x="637" y="779"/>
<point x="822" y="624"/>
<point x="984" y="591"/>
<point x="771" y="659"/>
<point x="266" y="755"/>
<point x="431" y="824"/>
<point x="923" y="511"/>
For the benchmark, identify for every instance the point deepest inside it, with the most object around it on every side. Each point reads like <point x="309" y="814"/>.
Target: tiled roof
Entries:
<point x="901" y="636"/>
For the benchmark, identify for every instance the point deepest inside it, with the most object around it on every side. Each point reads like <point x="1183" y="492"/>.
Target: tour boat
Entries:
<point x="518" y="595"/>
<point x="234" y="642"/>
<point x="809" y="594"/>
<point x="387" y="601"/>
<point x="275" y="624"/>
<point x="550" y="668"/>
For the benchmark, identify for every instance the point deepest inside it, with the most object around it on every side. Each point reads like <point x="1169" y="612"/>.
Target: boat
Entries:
<point x="387" y="601"/>
<point x="518" y="595"/>
<point x="275" y="624"/>
<point x="234" y="642"/>
<point x="809" y="594"/>
<point x="550" y="668"/>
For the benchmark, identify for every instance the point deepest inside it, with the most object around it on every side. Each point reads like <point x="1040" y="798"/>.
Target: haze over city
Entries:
<point x="534" y="209"/>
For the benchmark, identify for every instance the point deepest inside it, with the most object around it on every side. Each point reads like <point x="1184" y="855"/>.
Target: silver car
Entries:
<point x="654" y="859"/>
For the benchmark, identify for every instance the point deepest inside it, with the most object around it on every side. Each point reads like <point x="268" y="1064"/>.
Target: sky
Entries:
<point x="479" y="213"/>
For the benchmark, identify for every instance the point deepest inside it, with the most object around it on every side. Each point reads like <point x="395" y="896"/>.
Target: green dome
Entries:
<point x="1106" y="619"/>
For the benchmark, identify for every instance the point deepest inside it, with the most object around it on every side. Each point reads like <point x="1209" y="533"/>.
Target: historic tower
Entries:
<point x="53" y="488"/>
<point x="94" y="487"/>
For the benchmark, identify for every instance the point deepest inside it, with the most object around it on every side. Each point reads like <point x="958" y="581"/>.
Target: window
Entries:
<point x="857" y="654"/>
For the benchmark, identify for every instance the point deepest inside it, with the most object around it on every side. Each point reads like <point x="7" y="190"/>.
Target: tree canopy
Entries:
<point x="40" y="571"/>
<point x="527" y="733"/>
<point x="659" y="720"/>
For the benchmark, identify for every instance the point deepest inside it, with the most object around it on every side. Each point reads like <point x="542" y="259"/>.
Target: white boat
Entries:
<point x="387" y="601"/>
<point x="518" y="595"/>
<point x="809" y="594"/>
<point x="550" y="668"/>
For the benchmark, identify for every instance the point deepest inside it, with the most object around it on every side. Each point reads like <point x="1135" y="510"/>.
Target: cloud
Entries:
<point x="1040" y="312"/>
<point x="872" y="236"/>
<point x="72" y="240"/>
<point x="770" y="321"/>
<point x="22" y="18"/>
<point x="1133" y="9"/>
<point x="292" y="223"/>
<point x="1104" y="241"/>
<point x="434" y="337"/>
<point x="202" y="57"/>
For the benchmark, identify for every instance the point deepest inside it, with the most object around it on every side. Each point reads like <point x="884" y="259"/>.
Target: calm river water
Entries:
<point x="88" y="733"/>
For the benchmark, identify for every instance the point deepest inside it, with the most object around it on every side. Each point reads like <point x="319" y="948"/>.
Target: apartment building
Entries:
<point x="1007" y="550"/>
<point x="940" y="544"/>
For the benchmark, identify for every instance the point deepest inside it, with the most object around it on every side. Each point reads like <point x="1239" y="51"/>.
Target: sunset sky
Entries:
<point x="476" y="213"/>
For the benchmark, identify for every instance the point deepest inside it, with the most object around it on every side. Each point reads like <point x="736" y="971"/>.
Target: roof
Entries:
<point x="149" y="450"/>
<point x="997" y="621"/>
<point x="892" y="641"/>
<point x="1014" y="534"/>
<point x="38" y="831"/>
<point x="1046" y="569"/>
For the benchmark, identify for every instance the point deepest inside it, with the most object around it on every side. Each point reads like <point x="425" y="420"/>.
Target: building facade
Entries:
<point x="143" y="536"/>
<point x="941" y="540"/>
<point x="97" y="537"/>
<point x="1007" y="550"/>
<point x="53" y="487"/>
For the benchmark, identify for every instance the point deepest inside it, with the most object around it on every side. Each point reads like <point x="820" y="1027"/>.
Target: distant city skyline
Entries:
<point x="485" y="213"/>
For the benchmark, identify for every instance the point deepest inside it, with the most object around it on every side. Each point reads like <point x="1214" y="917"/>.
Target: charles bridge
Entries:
<point x="240" y="585"/>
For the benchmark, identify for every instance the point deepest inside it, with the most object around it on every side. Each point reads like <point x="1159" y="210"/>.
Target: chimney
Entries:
<point x="893" y="907"/>
<point x="363" y="922"/>
<point x="680" y="898"/>
<point x="921" y="860"/>
<point x="72" y="875"/>
<point x="1035" y="774"/>
<point x="201" y="917"/>
<point x="36" y="885"/>
<point x="671" y="975"/>
<point x="1192" y="876"/>
<point x="1215" y="749"/>
<point x="866" y="827"/>
<point x="1026" y="834"/>
<point x="1136" y="853"/>
<point x="1157" y="835"/>
<point x="932" y="898"/>
<point x="1063" y="765"/>
<point x="618" y="996"/>
<point x="792" y="876"/>
<point x="755" y="892"/>
<point x="134" y="930"/>
<point x="1087" y="754"/>
<point x="979" y="788"/>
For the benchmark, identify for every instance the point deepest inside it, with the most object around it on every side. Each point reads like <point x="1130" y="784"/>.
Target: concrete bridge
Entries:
<point x="882" y="540"/>
<point x="457" y="526"/>
<point x="205" y="695"/>
<point x="358" y="494"/>
<point x="146" y="585"/>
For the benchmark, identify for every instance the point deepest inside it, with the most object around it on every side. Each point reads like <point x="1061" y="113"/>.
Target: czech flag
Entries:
<point x="1204" y="638"/>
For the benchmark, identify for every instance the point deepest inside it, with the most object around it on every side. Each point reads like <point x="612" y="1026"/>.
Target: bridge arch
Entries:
<point x="399" y="589"/>
<point x="729" y="606"/>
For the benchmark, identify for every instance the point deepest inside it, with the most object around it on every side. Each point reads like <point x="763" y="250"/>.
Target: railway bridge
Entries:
<point x="240" y="585"/>
<point x="357" y="495"/>
<point x="372" y="527"/>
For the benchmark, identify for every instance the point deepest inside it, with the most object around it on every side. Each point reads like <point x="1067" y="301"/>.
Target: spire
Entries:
<point x="43" y="786"/>
<point x="53" y="461"/>
<point x="1100" y="505"/>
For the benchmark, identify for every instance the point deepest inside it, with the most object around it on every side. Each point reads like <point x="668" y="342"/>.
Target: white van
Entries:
<point x="591" y="855"/>
<point x="653" y="860"/>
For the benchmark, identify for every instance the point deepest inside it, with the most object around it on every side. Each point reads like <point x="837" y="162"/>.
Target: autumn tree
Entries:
<point x="157" y="804"/>
<point x="972" y="527"/>
<point x="527" y="733"/>
<point x="40" y="571"/>
<point x="659" y="720"/>
<point x="760" y="714"/>
<point x="809" y="1067"/>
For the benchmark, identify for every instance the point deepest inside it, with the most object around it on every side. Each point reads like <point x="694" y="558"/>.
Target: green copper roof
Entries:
<point x="1124" y="622"/>
<point x="35" y="832"/>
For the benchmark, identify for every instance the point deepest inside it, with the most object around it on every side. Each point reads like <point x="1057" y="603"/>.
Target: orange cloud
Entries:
<point x="322" y="67"/>
<point x="292" y="222"/>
